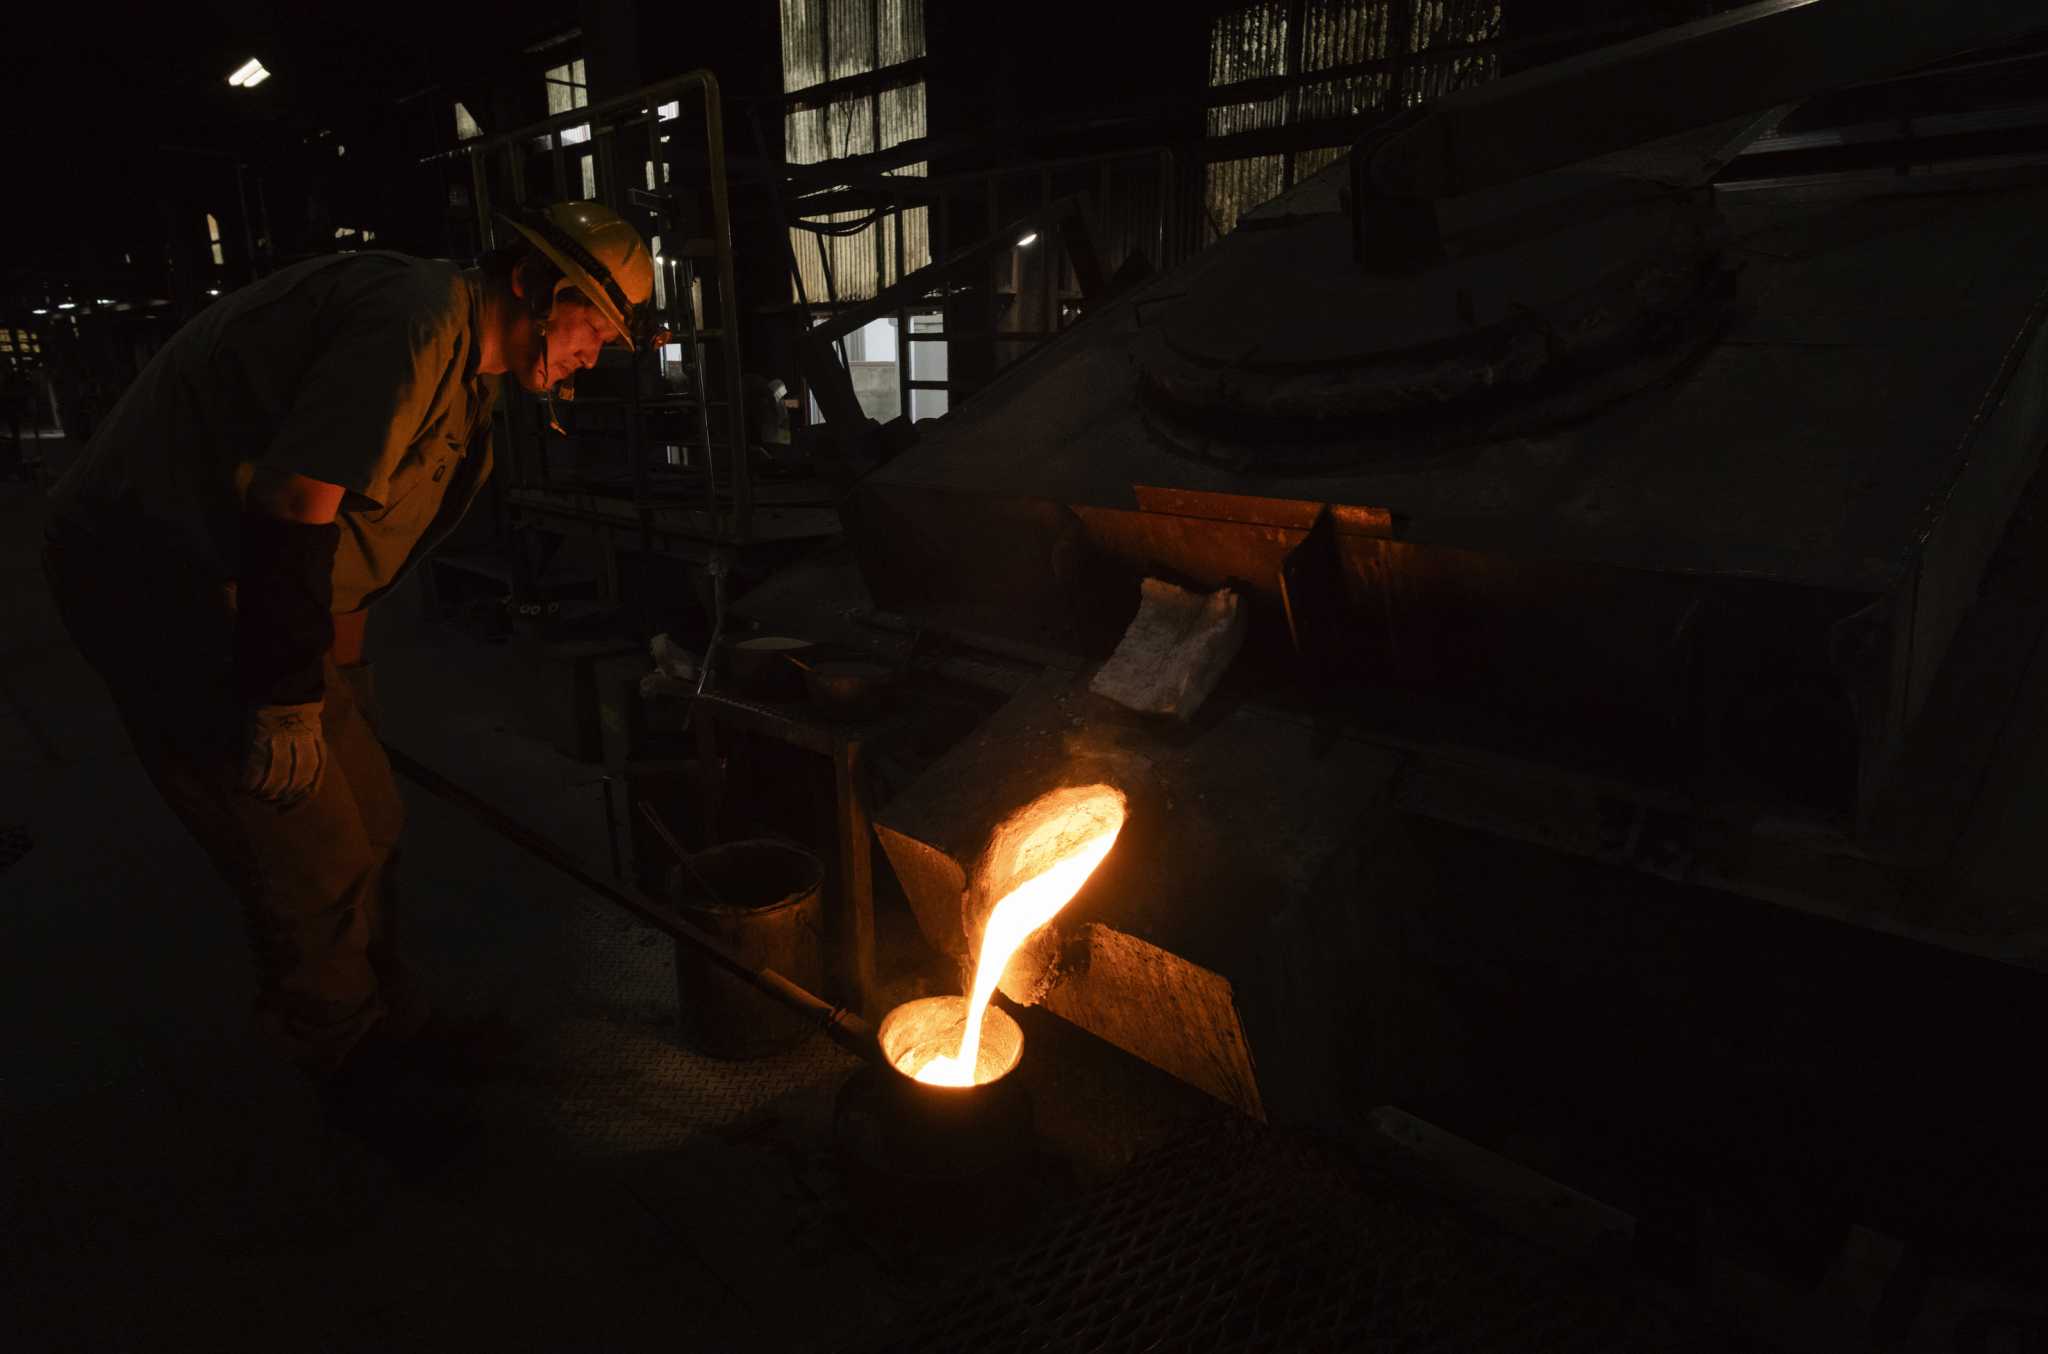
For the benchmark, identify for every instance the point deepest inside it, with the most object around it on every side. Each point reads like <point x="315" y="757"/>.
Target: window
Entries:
<point x="466" y="128"/>
<point x="213" y="238"/>
<point x="568" y="89"/>
<point x="589" y="164"/>
<point x="1299" y="62"/>
<point x="927" y="363"/>
<point x="827" y="40"/>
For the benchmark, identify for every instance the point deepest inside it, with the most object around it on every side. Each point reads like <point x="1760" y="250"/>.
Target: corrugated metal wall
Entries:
<point x="1250" y="44"/>
<point x="1302" y="37"/>
<point x="1436" y="24"/>
<point x="829" y="40"/>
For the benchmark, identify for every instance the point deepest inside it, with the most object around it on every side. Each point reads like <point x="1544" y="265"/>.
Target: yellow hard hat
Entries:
<point x="599" y="254"/>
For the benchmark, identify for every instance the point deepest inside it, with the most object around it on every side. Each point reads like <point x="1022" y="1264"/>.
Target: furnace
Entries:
<point x="1574" y="500"/>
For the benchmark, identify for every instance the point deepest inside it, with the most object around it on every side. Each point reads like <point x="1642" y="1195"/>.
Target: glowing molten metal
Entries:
<point x="1083" y="833"/>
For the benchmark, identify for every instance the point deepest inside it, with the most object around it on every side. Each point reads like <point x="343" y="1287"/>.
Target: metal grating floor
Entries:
<point x="1243" y="1238"/>
<point x="606" y="1076"/>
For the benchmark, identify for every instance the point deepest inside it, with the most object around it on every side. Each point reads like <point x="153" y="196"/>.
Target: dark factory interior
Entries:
<point x="1276" y="675"/>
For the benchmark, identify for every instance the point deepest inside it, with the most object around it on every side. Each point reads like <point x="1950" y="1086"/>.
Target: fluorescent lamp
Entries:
<point x="39" y="311"/>
<point x="249" y="74"/>
<point x="67" y="305"/>
<point x="213" y="291"/>
<point x="1030" y="239"/>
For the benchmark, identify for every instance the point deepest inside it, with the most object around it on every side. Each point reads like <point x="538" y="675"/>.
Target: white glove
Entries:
<point x="283" y="754"/>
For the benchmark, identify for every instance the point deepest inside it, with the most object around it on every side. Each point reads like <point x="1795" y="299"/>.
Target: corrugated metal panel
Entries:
<point x="1449" y="23"/>
<point x="803" y="48"/>
<point x="1249" y="44"/>
<point x="1130" y="200"/>
<point x="1344" y="33"/>
<point x="830" y="40"/>
<point x="1237" y="186"/>
<point x="1258" y="42"/>
<point x="851" y="37"/>
<point x="902" y="31"/>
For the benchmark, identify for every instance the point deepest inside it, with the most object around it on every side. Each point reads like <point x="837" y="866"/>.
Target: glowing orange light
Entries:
<point x="1082" y="832"/>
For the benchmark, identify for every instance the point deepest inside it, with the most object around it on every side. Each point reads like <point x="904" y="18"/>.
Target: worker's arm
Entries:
<point x="294" y="498"/>
<point x="284" y="627"/>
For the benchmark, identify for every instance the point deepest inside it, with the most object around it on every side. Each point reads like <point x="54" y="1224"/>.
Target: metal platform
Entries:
<point x="1242" y="1238"/>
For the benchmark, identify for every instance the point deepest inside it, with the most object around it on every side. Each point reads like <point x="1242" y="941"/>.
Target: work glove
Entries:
<point x="283" y="753"/>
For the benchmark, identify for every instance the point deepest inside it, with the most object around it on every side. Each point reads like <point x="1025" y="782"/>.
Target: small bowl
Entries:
<point x="847" y="688"/>
<point x="761" y="666"/>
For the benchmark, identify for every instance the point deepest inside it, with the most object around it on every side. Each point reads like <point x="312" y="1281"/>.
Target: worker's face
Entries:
<point x="576" y="334"/>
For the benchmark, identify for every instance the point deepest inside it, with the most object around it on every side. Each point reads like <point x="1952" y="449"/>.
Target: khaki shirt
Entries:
<point x="357" y="370"/>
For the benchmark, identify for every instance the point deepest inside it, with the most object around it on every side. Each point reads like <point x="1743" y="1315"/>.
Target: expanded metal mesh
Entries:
<point x="1249" y="1239"/>
<point x="607" y="1076"/>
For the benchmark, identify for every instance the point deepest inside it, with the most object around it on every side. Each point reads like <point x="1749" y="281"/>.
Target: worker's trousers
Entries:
<point x="317" y="881"/>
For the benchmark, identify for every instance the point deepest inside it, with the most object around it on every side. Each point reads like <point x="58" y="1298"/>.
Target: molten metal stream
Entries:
<point x="1022" y="910"/>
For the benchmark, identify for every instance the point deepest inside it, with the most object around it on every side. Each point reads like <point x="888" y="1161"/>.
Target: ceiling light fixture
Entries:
<point x="249" y="74"/>
<point x="1030" y="239"/>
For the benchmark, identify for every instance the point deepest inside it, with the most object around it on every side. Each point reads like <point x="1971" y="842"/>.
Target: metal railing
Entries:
<point x="624" y="159"/>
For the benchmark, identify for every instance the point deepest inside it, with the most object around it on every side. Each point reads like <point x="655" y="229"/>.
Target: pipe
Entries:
<point x="846" y="1028"/>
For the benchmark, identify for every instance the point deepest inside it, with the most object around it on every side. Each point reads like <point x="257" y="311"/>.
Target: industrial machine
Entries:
<point x="1610" y="527"/>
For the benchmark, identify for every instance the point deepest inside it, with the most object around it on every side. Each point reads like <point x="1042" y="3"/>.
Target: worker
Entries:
<point x="274" y="471"/>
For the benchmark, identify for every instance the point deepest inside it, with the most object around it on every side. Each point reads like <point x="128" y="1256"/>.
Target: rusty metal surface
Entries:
<point x="1239" y="1238"/>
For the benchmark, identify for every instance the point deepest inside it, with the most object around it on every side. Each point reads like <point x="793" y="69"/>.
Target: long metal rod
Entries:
<point x="729" y="310"/>
<point x="846" y="1028"/>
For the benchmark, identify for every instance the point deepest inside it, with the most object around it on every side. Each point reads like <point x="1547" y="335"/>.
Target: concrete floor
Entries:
<point x="170" y="1186"/>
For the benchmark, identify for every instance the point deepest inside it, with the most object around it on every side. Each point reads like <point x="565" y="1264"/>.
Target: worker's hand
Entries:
<point x="283" y="753"/>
